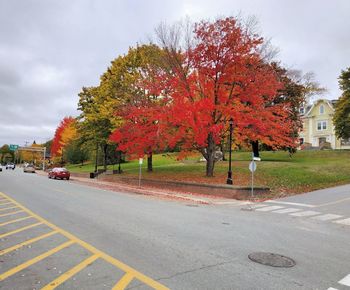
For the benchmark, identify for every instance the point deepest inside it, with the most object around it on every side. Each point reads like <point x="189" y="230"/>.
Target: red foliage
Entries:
<point x="56" y="147"/>
<point x="227" y="78"/>
<point x="141" y="132"/>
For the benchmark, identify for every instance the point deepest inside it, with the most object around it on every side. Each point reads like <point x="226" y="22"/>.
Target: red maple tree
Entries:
<point x="222" y="76"/>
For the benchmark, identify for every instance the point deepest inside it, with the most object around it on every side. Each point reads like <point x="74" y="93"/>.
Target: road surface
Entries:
<point x="62" y="234"/>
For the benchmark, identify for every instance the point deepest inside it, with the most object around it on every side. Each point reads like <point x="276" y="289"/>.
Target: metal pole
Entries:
<point x="96" y="160"/>
<point x="229" y="173"/>
<point x="140" y="175"/>
<point x="252" y="193"/>
<point x="44" y="158"/>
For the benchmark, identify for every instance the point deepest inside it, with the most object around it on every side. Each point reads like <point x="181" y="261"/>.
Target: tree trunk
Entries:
<point x="150" y="162"/>
<point x="119" y="161"/>
<point x="255" y="148"/>
<point x="210" y="156"/>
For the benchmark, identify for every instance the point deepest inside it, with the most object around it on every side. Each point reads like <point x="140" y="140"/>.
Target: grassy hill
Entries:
<point x="304" y="171"/>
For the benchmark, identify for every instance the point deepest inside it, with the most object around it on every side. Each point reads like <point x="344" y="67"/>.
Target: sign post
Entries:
<point x="252" y="168"/>
<point x="34" y="149"/>
<point x="140" y="164"/>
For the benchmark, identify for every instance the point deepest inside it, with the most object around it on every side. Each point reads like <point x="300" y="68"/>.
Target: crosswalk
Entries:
<point x="301" y="211"/>
<point x="28" y="242"/>
<point x="344" y="282"/>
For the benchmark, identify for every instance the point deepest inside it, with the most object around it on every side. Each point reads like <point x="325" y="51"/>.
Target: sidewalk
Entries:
<point x="156" y="192"/>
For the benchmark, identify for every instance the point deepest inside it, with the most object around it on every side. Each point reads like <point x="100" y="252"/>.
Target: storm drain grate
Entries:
<point x="271" y="259"/>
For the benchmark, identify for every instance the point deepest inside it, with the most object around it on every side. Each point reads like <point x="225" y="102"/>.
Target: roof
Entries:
<point x="310" y="107"/>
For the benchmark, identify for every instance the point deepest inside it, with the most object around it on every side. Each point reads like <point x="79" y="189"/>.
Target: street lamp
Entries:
<point x="229" y="173"/>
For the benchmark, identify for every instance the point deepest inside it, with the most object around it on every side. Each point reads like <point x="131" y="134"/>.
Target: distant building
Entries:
<point x="318" y="129"/>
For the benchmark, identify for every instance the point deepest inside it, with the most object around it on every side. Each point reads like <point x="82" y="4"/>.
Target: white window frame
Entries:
<point x="324" y="125"/>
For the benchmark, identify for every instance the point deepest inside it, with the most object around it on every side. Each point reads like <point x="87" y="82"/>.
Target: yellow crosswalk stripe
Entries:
<point x="10" y="213"/>
<point x="124" y="282"/>
<point x="71" y="272"/>
<point x="20" y="230"/>
<point x="25" y="243"/>
<point x="127" y="269"/>
<point x="34" y="260"/>
<point x="15" y="221"/>
<point x="5" y="208"/>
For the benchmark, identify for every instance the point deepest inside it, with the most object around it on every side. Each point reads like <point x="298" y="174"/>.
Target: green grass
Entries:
<point x="304" y="171"/>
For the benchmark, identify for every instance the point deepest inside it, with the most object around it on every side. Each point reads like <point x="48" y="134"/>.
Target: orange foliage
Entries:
<point x="65" y="132"/>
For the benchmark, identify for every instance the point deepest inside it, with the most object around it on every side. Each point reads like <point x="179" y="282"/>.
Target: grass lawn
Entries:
<point x="304" y="171"/>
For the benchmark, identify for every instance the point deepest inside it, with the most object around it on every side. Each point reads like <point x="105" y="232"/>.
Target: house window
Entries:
<point x="321" y="125"/>
<point x="302" y="110"/>
<point x="321" y="109"/>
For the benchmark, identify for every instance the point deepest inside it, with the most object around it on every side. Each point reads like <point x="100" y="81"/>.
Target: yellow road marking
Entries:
<point x="123" y="282"/>
<point x="71" y="272"/>
<point x="139" y="276"/>
<point x="5" y="208"/>
<point x="20" y="230"/>
<point x="34" y="260"/>
<point x="15" y="221"/>
<point x="25" y="243"/>
<point x="5" y="203"/>
<point x="9" y="213"/>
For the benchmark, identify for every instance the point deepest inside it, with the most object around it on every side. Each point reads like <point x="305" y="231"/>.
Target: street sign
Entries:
<point x="13" y="147"/>
<point x="252" y="166"/>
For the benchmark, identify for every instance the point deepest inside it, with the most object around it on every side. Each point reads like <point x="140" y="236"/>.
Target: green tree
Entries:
<point x="122" y="85"/>
<point x="94" y="126"/>
<point x="75" y="153"/>
<point x="341" y="116"/>
<point x="6" y="154"/>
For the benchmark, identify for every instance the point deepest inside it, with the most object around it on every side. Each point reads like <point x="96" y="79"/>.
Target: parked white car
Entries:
<point x="10" y="166"/>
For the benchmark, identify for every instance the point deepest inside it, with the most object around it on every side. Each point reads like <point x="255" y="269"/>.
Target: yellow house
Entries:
<point x="318" y="125"/>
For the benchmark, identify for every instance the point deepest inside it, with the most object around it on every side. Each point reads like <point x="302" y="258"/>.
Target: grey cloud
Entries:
<point x="50" y="49"/>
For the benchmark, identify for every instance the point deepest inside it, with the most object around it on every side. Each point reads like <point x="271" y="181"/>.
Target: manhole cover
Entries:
<point x="271" y="259"/>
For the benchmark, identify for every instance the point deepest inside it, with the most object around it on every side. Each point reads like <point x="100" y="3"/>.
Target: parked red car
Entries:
<point x="59" y="172"/>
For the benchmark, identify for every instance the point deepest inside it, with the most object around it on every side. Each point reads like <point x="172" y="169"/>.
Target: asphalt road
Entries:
<point x="176" y="244"/>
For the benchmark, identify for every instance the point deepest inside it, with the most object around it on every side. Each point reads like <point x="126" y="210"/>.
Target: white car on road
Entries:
<point x="10" y="166"/>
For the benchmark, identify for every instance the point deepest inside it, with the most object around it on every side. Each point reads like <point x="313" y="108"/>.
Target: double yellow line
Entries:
<point x="130" y="273"/>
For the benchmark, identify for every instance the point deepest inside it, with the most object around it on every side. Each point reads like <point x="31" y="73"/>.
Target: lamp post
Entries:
<point x="229" y="173"/>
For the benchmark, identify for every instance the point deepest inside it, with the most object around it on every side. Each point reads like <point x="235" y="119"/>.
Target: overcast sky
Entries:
<point x="50" y="49"/>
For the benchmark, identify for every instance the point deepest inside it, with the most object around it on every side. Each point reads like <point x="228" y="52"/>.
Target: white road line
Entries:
<point x="305" y="213"/>
<point x="327" y="217"/>
<point x="268" y="208"/>
<point x="331" y="288"/>
<point x="287" y="210"/>
<point x="345" y="281"/>
<point x="257" y="205"/>
<point x="291" y="203"/>
<point x="343" y="222"/>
